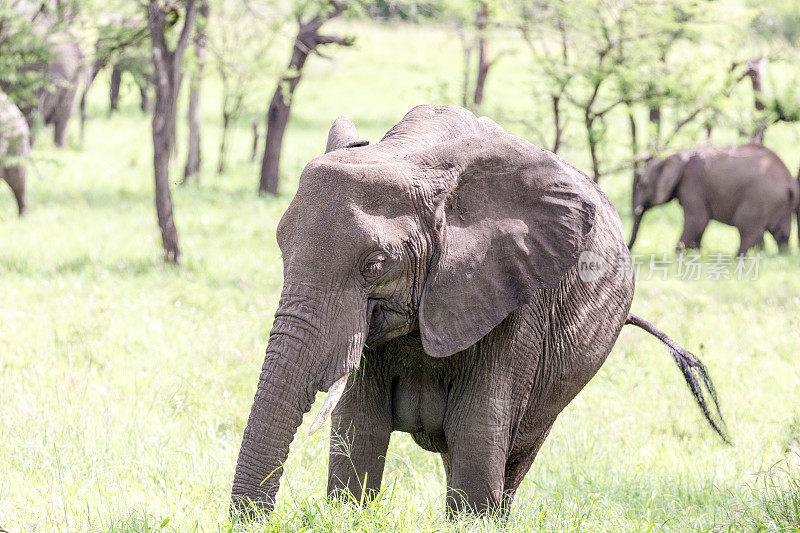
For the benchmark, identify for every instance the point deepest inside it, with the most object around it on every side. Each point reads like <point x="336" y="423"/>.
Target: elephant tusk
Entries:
<point x="639" y="210"/>
<point x="334" y="395"/>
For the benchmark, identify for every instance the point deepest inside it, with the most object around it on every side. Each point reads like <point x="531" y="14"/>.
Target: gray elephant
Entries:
<point x="66" y="73"/>
<point x="14" y="148"/>
<point x="57" y="102"/>
<point x="443" y="282"/>
<point x="746" y="186"/>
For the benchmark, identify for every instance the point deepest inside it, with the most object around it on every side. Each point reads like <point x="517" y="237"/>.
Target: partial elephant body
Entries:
<point x="747" y="187"/>
<point x="14" y="148"/>
<point x="486" y="409"/>
<point x="474" y="282"/>
<point x="56" y="103"/>
<point x="66" y="72"/>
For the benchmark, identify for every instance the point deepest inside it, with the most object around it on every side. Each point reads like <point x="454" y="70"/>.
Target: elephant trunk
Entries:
<point x="303" y="357"/>
<point x="637" y="219"/>
<point x="283" y="396"/>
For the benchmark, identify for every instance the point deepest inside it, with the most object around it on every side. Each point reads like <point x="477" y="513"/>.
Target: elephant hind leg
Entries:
<point x="781" y="233"/>
<point x="751" y="223"/>
<point x="15" y="177"/>
<point x="750" y="238"/>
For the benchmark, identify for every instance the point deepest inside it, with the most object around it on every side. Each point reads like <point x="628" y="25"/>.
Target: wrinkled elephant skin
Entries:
<point x="436" y="282"/>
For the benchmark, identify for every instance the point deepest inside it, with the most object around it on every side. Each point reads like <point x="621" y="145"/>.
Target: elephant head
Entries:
<point x="656" y="186"/>
<point x="439" y="231"/>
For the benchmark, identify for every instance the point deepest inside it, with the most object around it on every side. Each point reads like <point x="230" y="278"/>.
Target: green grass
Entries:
<point x="125" y="383"/>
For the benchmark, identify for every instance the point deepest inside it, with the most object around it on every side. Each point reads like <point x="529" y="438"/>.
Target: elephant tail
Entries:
<point x="695" y="374"/>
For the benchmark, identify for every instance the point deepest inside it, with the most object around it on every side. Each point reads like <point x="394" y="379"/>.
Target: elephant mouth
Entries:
<point x="385" y="322"/>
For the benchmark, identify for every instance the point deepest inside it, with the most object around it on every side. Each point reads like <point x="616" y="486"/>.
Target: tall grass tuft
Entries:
<point x="772" y="502"/>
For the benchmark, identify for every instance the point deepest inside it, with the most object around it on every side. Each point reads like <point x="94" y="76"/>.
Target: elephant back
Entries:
<point x="429" y="125"/>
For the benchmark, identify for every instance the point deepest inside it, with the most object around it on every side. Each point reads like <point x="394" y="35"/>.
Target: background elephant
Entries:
<point x="746" y="186"/>
<point x="65" y="73"/>
<point x="57" y="101"/>
<point x="14" y="147"/>
<point x="432" y="284"/>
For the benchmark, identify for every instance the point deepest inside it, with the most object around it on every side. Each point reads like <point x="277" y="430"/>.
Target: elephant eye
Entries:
<point x="373" y="267"/>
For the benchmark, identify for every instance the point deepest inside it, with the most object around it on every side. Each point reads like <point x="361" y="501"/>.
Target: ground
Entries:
<point x="125" y="383"/>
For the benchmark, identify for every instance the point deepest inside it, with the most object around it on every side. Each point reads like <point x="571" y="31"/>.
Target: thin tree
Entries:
<point x="193" y="154"/>
<point x="168" y="66"/>
<point x="255" y="140"/>
<point x="307" y="41"/>
<point x="484" y="63"/>
<point x="755" y="71"/>
<point x="231" y="107"/>
<point x="472" y="23"/>
<point x="555" y="65"/>
<point x="243" y="61"/>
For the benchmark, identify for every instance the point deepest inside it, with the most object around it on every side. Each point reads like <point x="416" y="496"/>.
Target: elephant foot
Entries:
<point x="459" y="506"/>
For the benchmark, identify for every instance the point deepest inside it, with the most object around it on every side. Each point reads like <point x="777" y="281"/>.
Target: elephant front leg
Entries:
<point x="359" y="441"/>
<point x="60" y="131"/>
<point x="477" y="471"/>
<point x="519" y="464"/>
<point x="695" y="221"/>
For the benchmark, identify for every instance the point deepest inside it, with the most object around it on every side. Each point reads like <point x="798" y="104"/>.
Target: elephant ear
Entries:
<point x="343" y="134"/>
<point x="668" y="175"/>
<point x="512" y="219"/>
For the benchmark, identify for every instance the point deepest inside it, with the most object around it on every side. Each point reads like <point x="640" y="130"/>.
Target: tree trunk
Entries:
<point x="634" y="142"/>
<point x="192" y="167"/>
<point x="96" y="67"/>
<point x="144" y="93"/>
<point x="166" y="220"/>
<point x="168" y="77"/>
<point x="755" y="70"/>
<point x="222" y="143"/>
<point x="113" y="92"/>
<point x="654" y="111"/>
<point x="163" y="123"/>
<point x="255" y="141"/>
<point x="654" y="117"/>
<point x="306" y="41"/>
<point x="467" y="45"/>
<point x="280" y="108"/>
<point x="590" y="137"/>
<point x="559" y="130"/>
<point x="277" y="119"/>
<point x="193" y="155"/>
<point x="483" y="54"/>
